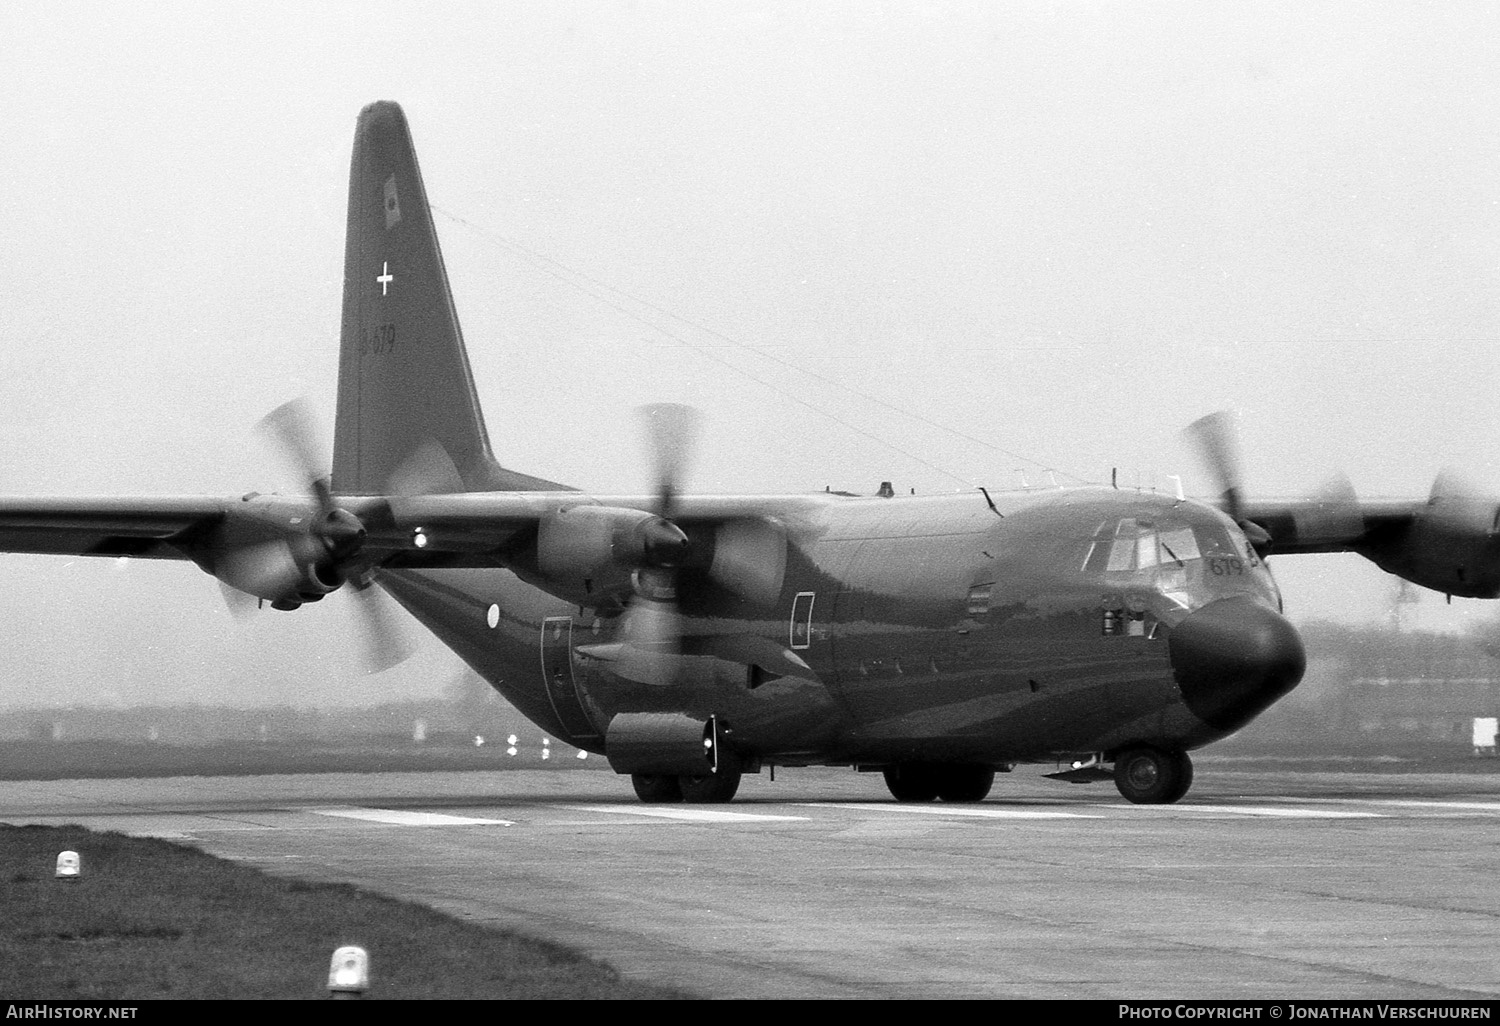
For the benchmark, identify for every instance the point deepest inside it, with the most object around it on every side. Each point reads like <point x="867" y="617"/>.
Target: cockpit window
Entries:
<point x="1178" y="545"/>
<point x="1122" y="549"/>
<point x="1131" y="544"/>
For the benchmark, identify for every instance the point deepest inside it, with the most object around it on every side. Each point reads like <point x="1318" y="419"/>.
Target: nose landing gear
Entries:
<point x="1151" y="776"/>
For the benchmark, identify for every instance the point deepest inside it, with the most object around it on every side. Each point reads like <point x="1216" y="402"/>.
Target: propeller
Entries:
<point x="385" y="641"/>
<point x="671" y="431"/>
<point x="1334" y="513"/>
<point x="331" y="546"/>
<point x="652" y="627"/>
<point x="1216" y="440"/>
<point x="1331" y="512"/>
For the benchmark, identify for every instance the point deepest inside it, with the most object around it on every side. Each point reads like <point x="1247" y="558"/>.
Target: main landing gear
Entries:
<point x="1151" y="776"/>
<point x="924" y="781"/>
<point x="663" y="789"/>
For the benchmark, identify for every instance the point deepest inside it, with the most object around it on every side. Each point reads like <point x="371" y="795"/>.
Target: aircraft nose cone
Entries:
<point x="1232" y="659"/>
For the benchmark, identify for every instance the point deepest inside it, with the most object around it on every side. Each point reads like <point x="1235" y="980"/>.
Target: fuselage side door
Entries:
<point x="557" y="673"/>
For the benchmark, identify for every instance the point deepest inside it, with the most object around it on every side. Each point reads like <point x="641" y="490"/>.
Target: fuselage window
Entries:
<point x="801" y="625"/>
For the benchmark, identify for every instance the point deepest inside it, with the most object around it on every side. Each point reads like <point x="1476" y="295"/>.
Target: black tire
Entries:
<point x="711" y="787"/>
<point x="912" y="782"/>
<point x="964" y="783"/>
<point x="1184" y="777"/>
<point x="658" y="788"/>
<point x="1150" y="776"/>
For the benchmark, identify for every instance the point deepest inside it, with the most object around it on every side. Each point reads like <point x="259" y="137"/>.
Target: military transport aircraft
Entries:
<point x="692" y="639"/>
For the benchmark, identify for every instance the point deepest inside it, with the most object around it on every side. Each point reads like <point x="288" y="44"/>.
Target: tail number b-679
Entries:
<point x="377" y="340"/>
<point x="1226" y="566"/>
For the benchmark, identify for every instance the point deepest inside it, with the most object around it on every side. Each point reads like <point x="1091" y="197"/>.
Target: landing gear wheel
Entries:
<point x="656" y="787"/>
<point x="964" y="783"/>
<point x="711" y="787"/>
<point x="1184" y="777"/>
<point x="1150" y="776"/>
<point x="912" y="782"/>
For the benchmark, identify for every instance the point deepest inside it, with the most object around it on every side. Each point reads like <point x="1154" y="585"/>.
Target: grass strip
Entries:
<point x="151" y="920"/>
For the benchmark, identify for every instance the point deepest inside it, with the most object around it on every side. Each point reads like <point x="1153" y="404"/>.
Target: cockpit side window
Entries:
<point x="1097" y="556"/>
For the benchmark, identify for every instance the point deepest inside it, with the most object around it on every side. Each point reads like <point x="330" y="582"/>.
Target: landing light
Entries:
<point x="68" y="866"/>
<point x="419" y="538"/>
<point x="349" y="973"/>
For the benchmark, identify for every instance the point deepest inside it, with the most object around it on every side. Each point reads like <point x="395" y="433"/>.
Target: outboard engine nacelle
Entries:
<point x="1453" y="546"/>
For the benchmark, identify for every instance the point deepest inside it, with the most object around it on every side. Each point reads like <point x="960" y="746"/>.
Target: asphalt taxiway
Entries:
<point x="1257" y="886"/>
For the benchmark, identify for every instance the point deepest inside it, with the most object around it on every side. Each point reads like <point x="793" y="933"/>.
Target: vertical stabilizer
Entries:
<point x="408" y="419"/>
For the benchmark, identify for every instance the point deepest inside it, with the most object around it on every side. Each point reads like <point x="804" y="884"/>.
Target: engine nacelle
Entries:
<point x="283" y="551"/>
<point x="1453" y="546"/>
<point x="285" y="572"/>
<point x="587" y="542"/>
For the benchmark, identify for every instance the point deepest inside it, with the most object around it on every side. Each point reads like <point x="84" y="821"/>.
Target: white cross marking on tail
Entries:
<point x="385" y="277"/>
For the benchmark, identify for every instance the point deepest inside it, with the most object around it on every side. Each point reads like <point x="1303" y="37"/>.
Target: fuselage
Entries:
<point x="942" y="628"/>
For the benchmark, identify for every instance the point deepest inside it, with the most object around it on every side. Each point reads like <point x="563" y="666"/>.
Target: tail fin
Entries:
<point x="408" y="419"/>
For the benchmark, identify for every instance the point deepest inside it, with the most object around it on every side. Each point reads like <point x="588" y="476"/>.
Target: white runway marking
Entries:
<point x="1468" y="806"/>
<point x="401" y="817"/>
<point x="950" y="810"/>
<point x="1261" y="810"/>
<point x="689" y="815"/>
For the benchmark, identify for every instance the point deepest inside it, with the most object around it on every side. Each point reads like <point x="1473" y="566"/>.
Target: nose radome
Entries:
<point x="1232" y="659"/>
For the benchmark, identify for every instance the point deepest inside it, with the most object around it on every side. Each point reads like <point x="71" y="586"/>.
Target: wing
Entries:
<point x="291" y="549"/>
<point x="1450" y="542"/>
<point x="1301" y="526"/>
<point x="149" y="528"/>
<point x="587" y="548"/>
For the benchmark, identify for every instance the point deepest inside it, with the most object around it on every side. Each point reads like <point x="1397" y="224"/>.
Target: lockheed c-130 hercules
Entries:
<point x="691" y="639"/>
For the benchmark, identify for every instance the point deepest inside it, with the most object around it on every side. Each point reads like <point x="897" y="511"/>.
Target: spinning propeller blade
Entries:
<point x="386" y="641"/>
<point x="652" y="628"/>
<point x="1216" y="441"/>
<point x="1331" y="513"/>
<point x="671" y="431"/>
<point x="333" y="542"/>
<point x="292" y="429"/>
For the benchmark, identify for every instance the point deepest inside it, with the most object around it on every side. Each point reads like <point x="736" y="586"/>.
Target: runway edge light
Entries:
<point x="349" y="973"/>
<point x="69" y="867"/>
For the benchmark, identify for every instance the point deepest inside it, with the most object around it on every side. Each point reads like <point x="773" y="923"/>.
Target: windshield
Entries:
<point x="1178" y="560"/>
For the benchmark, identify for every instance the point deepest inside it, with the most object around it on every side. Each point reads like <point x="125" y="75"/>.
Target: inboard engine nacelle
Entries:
<point x="587" y="542"/>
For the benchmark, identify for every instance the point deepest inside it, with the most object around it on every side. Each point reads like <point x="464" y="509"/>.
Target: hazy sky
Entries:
<point x="929" y="243"/>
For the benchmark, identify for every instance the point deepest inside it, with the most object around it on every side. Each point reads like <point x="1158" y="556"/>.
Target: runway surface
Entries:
<point x="1259" y="885"/>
